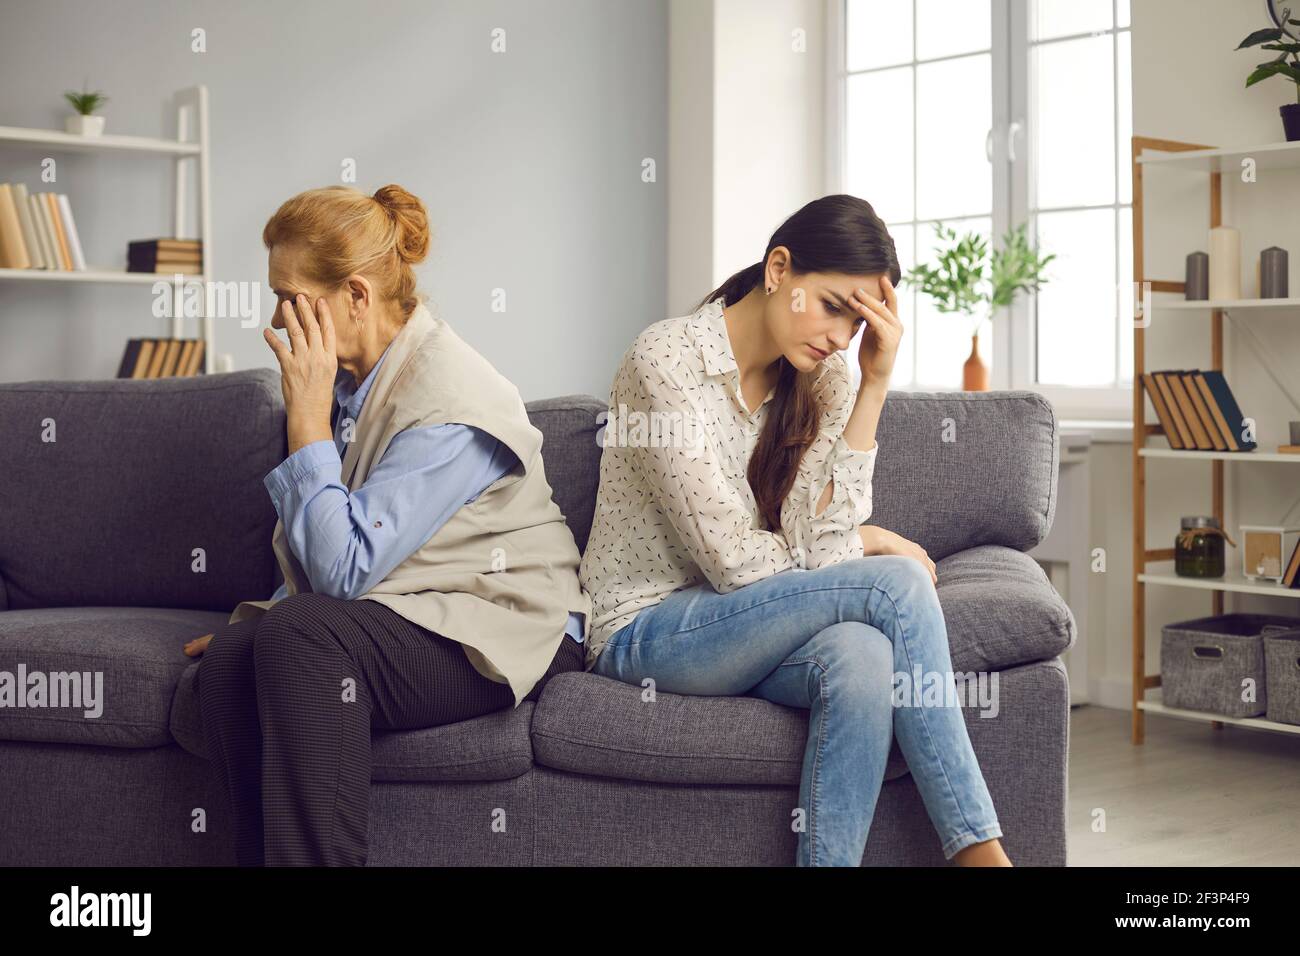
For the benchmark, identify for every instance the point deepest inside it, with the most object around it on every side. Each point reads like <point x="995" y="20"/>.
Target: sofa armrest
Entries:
<point x="957" y="470"/>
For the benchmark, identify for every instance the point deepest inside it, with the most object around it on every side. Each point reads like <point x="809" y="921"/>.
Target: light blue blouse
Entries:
<point x="347" y="542"/>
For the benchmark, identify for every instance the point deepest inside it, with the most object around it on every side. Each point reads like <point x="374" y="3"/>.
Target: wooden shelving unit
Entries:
<point x="189" y="147"/>
<point x="1157" y="153"/>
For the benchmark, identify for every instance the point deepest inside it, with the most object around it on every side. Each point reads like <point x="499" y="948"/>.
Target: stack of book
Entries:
<point x="37" y="231"/>
<point x="161" y="358"/>
<point x="1198" y="411"/>
<point x="165" y="255"/>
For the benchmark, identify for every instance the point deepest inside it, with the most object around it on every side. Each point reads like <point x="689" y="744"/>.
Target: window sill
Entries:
<point x="1099" y="430"/>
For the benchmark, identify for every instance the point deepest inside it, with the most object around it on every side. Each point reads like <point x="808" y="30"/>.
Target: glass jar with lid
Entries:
<point x="1198" y="549"/>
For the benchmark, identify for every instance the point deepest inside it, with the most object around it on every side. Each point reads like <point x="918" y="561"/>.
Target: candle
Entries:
<point x="1225" y="263"/>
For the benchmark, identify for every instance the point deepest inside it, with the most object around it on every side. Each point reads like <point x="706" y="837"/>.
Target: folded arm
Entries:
<point x="349" y="541"/>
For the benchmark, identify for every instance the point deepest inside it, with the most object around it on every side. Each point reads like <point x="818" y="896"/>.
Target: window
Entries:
<point x="984" y="114"/>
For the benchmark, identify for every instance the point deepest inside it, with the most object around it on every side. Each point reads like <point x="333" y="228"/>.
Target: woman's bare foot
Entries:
<point x="988" y="853"/>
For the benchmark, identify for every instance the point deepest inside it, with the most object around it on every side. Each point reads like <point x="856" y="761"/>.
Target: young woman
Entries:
<point x="429" y="576"/>
<point x="726" y="554"/>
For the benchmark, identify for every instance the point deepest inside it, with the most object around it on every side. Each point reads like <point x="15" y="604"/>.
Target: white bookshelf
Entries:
<point x="1269" y="307"/>
<point x="1204" y="455"/>
<point x="89" y="275"/>
<point x="1224" y="159"/>
<point x="1251" y="723"/>
<point x="72" y="142"/>
<point x="1154" y="567"/>
<point x="1232" y="581"/>
<point x="189" y="149"/>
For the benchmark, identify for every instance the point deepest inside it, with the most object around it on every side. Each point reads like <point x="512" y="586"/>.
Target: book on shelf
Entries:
<point x="161" y="358"/>
<point x="165" y="256"/>
<point x="1292" y="572"/>
<point x="13" y="252"/>
<point x="38" y="231"/>
<point x="1197" y="410"/>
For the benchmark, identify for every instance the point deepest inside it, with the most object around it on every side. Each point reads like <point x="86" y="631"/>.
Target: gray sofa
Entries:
<point x="145" y="521"/>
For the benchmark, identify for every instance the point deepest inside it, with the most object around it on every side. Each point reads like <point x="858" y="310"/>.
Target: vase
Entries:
<point x="1291" y="121"/>
<point x="84" y="125"/>
<point x="975" y="374"/>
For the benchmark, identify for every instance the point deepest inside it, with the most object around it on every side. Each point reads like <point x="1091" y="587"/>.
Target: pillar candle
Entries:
<point x="1225" y="263"/>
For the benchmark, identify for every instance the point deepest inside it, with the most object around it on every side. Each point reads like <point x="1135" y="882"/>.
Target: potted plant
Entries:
<point x="1280" y="39"/>
<point x="969" y="280"/>
<point x="84" y="122"/>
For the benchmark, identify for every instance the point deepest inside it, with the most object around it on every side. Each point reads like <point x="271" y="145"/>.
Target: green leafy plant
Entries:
<point x="85" y="102"/>
<point x="1273" y="39"/>
<point x="967" y="279"/>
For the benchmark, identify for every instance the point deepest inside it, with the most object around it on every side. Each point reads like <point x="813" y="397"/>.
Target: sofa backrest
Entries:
<point x="570" y="426"/>
<point x="140" y="474"/>
<point x="960" y="469"/>
<point x="955" y="469"/>
<point x="109" y="487"/>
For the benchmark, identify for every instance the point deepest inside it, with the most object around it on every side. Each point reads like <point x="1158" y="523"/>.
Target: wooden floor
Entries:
<point x="1190" y="796"/>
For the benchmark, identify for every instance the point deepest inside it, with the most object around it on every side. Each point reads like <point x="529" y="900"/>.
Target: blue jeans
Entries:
<point x="830" y="640"/>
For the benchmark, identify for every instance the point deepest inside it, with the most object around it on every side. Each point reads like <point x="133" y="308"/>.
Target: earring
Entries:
<point x="770" y="290"/>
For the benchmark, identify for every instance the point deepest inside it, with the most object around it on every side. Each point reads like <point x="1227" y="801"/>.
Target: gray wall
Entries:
<point x="529" y="162"/>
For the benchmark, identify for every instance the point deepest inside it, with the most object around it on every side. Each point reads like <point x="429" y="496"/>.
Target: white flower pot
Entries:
<point x="85" y="125"/>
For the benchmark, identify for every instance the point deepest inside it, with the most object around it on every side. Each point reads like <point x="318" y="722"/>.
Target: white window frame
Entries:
<point x="1014" y="348"/>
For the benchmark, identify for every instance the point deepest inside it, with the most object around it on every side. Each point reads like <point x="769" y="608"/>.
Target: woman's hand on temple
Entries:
<point x="197" y="646"/>
<point x="879" y="541"/>
<point x="879" y="345"/>
<point x="308" y="367"/>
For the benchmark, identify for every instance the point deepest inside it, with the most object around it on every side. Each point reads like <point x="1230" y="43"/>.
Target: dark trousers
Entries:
<point x="289" y="700"/>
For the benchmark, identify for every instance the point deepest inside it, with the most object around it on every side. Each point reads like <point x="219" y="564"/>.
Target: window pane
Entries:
<point x="1122" y="14"/>
<point x="1076" y="307"/>
<point x="878" y="115"/>
<point x="954" y="102"/>
<point x="1125" y="97"/>
<point x="879" y="33"/>
<point x="1073" y="110"/>
<point x="903" y="362"/>
<point x="948" y="27"/>
<point x="1126" y="295"/>
<point x="943" y="340"/>
<point x="1060" y="18"/>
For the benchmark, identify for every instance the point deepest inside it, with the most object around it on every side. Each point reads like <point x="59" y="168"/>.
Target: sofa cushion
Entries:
<point x="1001" y="610"/>
<point x="570" y="427"/>
<point x="134" y="655"/>
<point x="590" y="724"/>
<point x="139" y="476"/>
<point x="492" y="747"/>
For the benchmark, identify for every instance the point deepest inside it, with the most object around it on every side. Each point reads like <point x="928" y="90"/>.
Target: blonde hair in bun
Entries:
<point x="346" y="232"/>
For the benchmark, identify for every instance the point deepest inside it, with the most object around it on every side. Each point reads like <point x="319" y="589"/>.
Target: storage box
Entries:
<point x="1266" y="550"/>
<point x="1282" y="675"/>
<point x="1205" y="664"/>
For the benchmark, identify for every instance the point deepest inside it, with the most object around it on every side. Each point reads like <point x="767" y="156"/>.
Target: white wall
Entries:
<point x="529" y="161"/>
<point x="748" y="110"/>
<point x="1189" y="85"/>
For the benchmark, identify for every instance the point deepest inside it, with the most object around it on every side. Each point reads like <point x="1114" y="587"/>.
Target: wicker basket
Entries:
<point x="1282" y="675"/>
<point x="1205" y="663"/>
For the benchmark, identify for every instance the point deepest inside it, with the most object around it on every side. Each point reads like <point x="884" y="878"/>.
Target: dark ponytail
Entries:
<point x="835" y="234"/>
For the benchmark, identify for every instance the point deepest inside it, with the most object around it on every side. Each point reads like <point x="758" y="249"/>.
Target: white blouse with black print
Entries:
<point x="675" y="508"/>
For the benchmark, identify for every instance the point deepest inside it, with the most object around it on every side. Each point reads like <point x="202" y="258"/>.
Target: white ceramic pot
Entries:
<point x="85" y="125"/>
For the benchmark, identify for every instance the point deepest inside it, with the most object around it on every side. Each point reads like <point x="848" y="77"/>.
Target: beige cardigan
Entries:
<point x="501" y="576"/>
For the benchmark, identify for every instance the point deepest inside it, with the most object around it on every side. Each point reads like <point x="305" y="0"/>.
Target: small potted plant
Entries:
<point x="1281" y="40"/>
<point x="968" y="280"/>
<point x="84" y="122"/>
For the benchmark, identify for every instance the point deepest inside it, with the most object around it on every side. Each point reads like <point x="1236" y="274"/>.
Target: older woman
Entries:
<point x="429" y="575"/>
